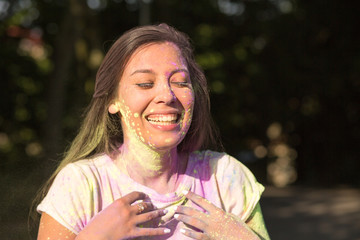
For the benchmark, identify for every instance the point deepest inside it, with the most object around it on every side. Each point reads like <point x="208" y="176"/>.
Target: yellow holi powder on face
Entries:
<point x="168" y="140"/>
<point x="138" y="151"/>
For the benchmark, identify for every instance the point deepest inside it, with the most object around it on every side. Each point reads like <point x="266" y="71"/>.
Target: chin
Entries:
<point x="164" y="145"/>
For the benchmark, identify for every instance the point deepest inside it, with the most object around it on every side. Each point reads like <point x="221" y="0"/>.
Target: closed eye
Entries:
<point x="145" y="85"/>
<point x="181" y="84"/>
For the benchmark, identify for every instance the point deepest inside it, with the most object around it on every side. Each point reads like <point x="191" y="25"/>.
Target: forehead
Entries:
<point x="155" y="54"/>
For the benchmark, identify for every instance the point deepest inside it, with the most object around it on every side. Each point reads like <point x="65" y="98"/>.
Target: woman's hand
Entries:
<point x="120" y="220"/>
<point x="215" y="224"/>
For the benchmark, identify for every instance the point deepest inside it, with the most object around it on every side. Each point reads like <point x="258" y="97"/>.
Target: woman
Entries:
<point x="135" y="170"/>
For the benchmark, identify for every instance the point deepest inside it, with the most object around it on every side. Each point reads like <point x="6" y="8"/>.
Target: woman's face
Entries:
<point x="155" y="97"/>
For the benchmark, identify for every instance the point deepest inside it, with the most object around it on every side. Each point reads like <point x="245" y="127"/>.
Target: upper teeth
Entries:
<point x="162" y="118"/>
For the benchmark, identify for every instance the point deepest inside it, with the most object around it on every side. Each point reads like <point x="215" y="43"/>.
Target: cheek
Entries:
<point x="188" y="104"/>
<point x="129" y="117"/>
<point x="126" y="115"/>
<point x="130" y="106"/>
<point x="187" y="99"/>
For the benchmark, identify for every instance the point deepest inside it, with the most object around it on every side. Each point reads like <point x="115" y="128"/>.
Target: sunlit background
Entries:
<point x="284" y="77"/>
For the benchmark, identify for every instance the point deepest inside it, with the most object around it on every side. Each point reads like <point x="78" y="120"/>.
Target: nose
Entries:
<point x="165" y="94"/>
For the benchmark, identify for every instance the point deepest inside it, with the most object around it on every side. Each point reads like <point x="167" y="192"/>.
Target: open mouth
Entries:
<point x="163" y="119"/>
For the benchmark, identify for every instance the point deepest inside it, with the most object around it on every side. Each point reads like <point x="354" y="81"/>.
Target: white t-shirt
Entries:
<point x="84" y="188"/>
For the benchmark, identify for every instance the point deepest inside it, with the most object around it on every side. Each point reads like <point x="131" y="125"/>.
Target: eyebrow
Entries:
<point x="143" y="71"/>
<point x="152" y="72"/>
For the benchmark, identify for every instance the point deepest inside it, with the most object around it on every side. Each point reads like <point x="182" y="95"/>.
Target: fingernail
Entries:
<point x="176" y="216"/>
<point x="175" y="208"/>
<point x="185" y="192"/>
<point x="182" y="230"/>
<point x="167" y="230"/>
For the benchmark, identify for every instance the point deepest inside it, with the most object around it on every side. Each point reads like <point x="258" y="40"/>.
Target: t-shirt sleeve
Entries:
<point x="68" y="200"/>
<point x="239" y="190"/>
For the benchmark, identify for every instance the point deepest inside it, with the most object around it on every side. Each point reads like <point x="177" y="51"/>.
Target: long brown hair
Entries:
<point x="100" y="131"/>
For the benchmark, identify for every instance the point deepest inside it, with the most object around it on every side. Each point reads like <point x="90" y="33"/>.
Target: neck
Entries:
<point x="157" y="169"/>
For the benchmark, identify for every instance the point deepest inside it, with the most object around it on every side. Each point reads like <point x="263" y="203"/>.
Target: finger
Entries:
<point x="141" y="207"/>
<point x="194" y="234"/>
<point x="145" y="217"/>
<point x="150" y="231"/>
<point x="133" y="196"/>
<point x="192" y="221"/>
<point x="202" y="202"/>
<point x="191" y="212"/>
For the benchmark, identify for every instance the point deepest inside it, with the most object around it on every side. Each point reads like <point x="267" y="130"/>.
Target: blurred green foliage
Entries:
<point x="284" y="77"/>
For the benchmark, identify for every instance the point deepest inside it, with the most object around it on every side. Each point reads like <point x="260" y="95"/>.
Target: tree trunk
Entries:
<point x="70" y="31"/>
<point x="144" y="13"/>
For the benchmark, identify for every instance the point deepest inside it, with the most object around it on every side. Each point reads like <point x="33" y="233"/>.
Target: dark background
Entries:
<point x="284" y="77"/>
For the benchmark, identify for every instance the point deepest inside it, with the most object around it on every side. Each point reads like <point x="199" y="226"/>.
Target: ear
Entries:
<point x="113" y="108"/>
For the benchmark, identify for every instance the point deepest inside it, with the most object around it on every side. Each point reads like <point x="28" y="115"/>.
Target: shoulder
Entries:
<point x="79" y="179"/>
<point x="72" y="197"/>
<point x="220" y="163"/>
<point x="99" y="161"/>
<point x="81" y="172"/>
<point x="88" y="168"/>
<point x="207" y="157"/>
<point x="237" y="187"/>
